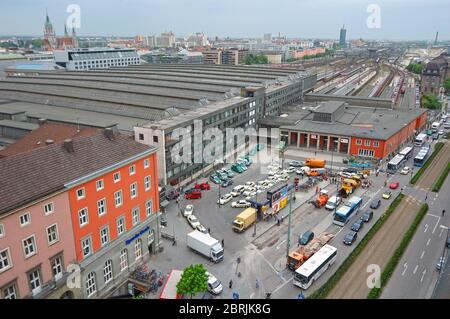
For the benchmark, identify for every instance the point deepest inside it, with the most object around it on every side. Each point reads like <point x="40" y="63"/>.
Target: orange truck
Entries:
<point x="315" y="162"/>
<point x="321" y="200"/>
<point x="297" y="257"/>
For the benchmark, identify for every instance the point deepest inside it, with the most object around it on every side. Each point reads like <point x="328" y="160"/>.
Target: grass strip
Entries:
<point x="419" y="173"/>
<point x="323" y="291"/>
<point x="440" y="181"/>
<point x="375" y="293"/>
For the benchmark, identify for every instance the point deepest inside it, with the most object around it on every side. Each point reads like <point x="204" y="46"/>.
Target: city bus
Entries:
<point x="346" y="212"/>
<point x="420" y="139"/>
<point x="315" y="266"/>
<point x="395" y="163"/>
<point x="422" y="156"/>
<point x="407" y="152"/>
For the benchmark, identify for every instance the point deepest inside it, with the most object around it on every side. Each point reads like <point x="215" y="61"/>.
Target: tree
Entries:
<point x="193" y="280"/>
<point x="415" y="68"/>
<point x="447" y="85"/>
<point x="430" y="101"/>
<point x="256" y="59"/>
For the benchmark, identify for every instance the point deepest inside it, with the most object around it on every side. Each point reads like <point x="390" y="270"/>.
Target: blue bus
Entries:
<point x="422" y="156"/>
<point x="346" y="212"/>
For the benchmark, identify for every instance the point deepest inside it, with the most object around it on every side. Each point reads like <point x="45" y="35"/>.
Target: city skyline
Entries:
<point x="122" y="19"/>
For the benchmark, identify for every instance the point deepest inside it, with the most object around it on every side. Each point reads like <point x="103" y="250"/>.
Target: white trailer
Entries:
<point x="205" y="245"/>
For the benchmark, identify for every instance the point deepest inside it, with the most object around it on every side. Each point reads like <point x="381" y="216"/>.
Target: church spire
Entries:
<point x="66" y="34"/>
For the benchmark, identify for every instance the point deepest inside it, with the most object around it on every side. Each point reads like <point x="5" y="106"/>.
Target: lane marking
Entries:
<point x="283" y="284"/>
<point x="415" y="269"/>
<point x="423" y="275"/>
<point x="426" y="228"/>
<point x="433" y="215"/>
<point x="440" y="234"/>
<point x="279" y="245"/>
<point x="423" y="253"/>
<point x="437" y="223"/>
<point x="428" y="241"/>
<point x="251" y="296"/>
<point x="270" y="265"/>
<point x="405" y="265"/>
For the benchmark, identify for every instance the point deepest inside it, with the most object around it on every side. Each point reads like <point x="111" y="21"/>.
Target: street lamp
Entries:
<point x="288" y="242"/>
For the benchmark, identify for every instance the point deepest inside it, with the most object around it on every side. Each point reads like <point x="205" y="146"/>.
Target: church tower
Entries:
<point x="49" y="33"/>
<point x="74" y="38"/>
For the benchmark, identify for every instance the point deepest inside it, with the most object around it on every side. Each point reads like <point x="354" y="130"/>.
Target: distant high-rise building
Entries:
<point x="342" y="36"/>
<point x="267" y="37"/>
<point x="150" y="41"/>
<point x="166" y="40"/>
<point x="197" y="39"/>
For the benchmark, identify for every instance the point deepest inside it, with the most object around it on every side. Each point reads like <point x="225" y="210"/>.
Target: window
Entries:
<point x="10" y="292"/>
<point x="99" y="184"/>
<point x="123" y="260"/>
<point x="118" y="198"/>
<point x="358" y="142"/>
<point x="83" y="216"/>
<point x="132" y="169"/>
<point x="133" y="190"/>
<point x="367" y="143"/>
<point x="150" y="236"/>
<point x="86" y="246"/>
<point x="101" y="207"/>
<point x="25" y="219"/>
<point x="5" y="260"/>
<point x="80" y="193"/>
<point x="52" y="234"/>
<point x="104" y="236"/>
<point x="146" y="163"/>
<point x="155" y="139"/>
<point x="107" y="271"/>
<point x="148" y="208"/>
<point x="135" y="215"/>
<point x="147" y="183"/>
<point x="34" y="278"/>
<point x="29" y="246"/>
<point x="141" y="137"/>
<point x="2" y="231"/>
<point x="120" y="226"/>
<point x="57" y="267"/>
<point x="138" y="249"/>
<point x="376" y="144"/>
<point x="116" y="177"/>
<point x="48" y="208"/>
<point x="91" y="287"/>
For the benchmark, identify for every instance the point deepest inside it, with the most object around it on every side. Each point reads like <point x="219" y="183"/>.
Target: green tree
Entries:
<point x="430" y="101"/>
<point x="193" y="280"/>
<point x="256" y="59"/>
<point x="415" y="68"/>
<point x="447" y="85"/>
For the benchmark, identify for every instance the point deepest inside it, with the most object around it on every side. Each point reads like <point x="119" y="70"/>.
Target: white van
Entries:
<point x="333" y="202"/>
<point x="238" y="190"/>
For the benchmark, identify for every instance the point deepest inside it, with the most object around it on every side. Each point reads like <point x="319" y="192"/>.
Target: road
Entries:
<point x="416" y="274"/>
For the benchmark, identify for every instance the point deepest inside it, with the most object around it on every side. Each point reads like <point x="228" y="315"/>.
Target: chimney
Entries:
<point x="48" y="142"/>
<point x="109" y="133"/>
<point x="68" y="145"/>
<point x="42" y="121"/>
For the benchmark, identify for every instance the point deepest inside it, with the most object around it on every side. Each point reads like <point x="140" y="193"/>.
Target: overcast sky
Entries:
<point x="400" y="19"/>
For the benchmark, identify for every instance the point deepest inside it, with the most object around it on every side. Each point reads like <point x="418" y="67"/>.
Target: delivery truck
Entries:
<point x="205" y="245"/>
<point x="244" y="219"/>
<point x="315" y="162"/>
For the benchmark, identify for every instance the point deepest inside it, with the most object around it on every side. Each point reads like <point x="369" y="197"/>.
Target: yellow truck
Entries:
<point x="244" y="220"/>
<point x="348" y="186"/>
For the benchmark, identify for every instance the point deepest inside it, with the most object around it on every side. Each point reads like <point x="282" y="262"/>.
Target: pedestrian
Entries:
<point x="282" y="218"/>
<point x="443" y="212"/>
<point x="385" y="184"/>
<point x="426" y="197"/>
<point x="278" y="221"/>
<point x="223" y="244"/>
<point x="209" y="231"/>
<point x="230" y="284"/>
<point x="257" y="284"/>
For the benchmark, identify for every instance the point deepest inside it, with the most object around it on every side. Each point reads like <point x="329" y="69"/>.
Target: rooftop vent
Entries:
<point x="42" y="121"/>
<point x="48" y="142"/>
<point x="109" y="133"/>
<point x="68" y="145"/>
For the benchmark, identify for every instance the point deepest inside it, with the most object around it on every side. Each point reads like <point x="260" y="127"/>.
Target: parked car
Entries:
<point x="295" y="163"/>
<point x="237" y="190"/>
<point x="202" y="186"/>
<point x="237" y="168"/>
<point x="202" y="229"/>
<point x="350" y="170"/>
<point x="224" y="177"/>
<point x="193" y="221"/>
<point x="440" y="132"/>
<point x="357" y="225"/>
<point x="345" y="174"/>
<point x="227" y="183"/>
<point x="306" y="237"/>
<point x="405" y="170"/>
<point x="188" y="210"/>
<point x="435" y="136"/>
<point x="240" y="204"/>
<point x="214" y="284"/>
<point x="242" y="165"/>
<point x="367" y="216"/>
<point x="172" y="194"/>
<point x="394" y="185"/>
<point x="229" y="172"/>
<point x="291" y="169"/>
<point x="224" y="199"/>
<point x="350" y="238"/>
<point x="375" y="203"/>
<point x="215" y="179"/>
<point x="387" y="194"/>
<point x="251" y="184"/>
<point x="249" y="190"/>
<point x="193" y="194"/>
<point x="448" y="242"/>
<point x="440" y="263"/>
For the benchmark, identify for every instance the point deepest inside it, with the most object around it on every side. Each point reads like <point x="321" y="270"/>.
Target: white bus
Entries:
<point x="346" y="212"/>
<point x="420" y="139"/>
<point x="407" y="152"/>
<point x="315" y="266"/>
<point x="395" y="163"/>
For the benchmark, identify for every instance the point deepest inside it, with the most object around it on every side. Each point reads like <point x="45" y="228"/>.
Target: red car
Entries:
<point x="394" y="185"/>
<point x="203" y="186"/>
<point x="193" y="194"/>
